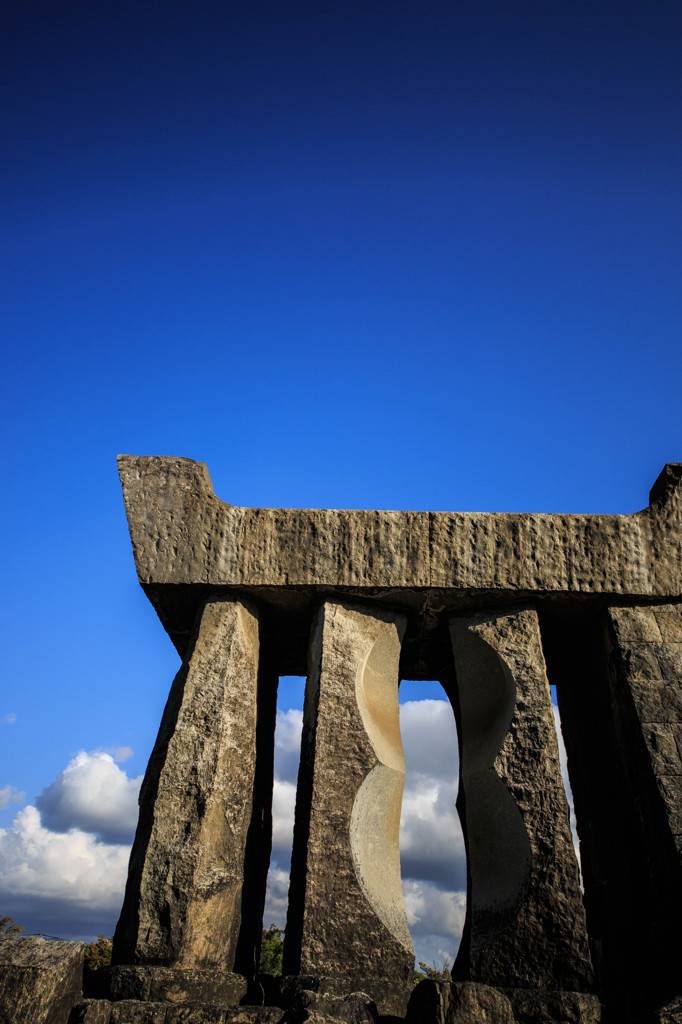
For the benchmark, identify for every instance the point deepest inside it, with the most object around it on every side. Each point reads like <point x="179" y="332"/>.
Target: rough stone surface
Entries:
<point x="354" y="1008"/>
<point x="183" y="902"/>
<point x="172" y="985"/>
<point x="464" y="1002"/>
<point x="618" y="678"/>
<point x="40" y="981"/>
<point x="346" y="917"/>
<point x="645" y="691"/>
<point x="533" y="1007"/>
<point x="525" y="921"/>
<point x="208" y="541"/>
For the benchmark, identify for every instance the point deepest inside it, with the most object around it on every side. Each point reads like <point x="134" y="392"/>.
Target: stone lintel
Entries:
<point x="184" y="536"/>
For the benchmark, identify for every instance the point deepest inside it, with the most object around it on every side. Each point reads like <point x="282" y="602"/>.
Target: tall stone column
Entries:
<point x="346" y="922"/>
<point x="201" y="807"/>
<point x="525" y="926"/>
<point x="644" y="657"/>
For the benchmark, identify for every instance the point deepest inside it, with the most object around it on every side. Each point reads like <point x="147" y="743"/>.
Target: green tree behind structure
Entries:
<point x="433" y="973"/>
<point x="9" y="928"/>
<point x="271" y="951"/>
<point x="98" y="954"/>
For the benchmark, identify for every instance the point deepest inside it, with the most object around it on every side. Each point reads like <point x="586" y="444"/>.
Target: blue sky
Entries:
<point x="348" y="254"/>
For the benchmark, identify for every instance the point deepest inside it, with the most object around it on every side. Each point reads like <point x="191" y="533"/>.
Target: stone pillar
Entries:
<point x="642" y="943"/>
<point x="525" y="926"/>
<point x="346" y="922"/>
<point x="190" y="881"/>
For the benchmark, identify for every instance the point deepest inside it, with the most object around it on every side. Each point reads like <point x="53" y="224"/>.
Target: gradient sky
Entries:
<point x="383" y="255"/>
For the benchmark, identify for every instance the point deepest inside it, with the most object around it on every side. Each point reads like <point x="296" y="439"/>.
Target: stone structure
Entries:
<point x="497" y="607"/>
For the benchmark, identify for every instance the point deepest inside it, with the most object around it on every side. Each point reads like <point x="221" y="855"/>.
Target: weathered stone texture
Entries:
<point x="346" y="917"/>
<point x="645" y="676"/>
<point x="525" y="919"/>
<point x="533" y="1007"/>
<point x="182" y="533"/>
<point x="40" y="980"/>
<point x="183" y="903"/>
<point x="463" y="1002"/>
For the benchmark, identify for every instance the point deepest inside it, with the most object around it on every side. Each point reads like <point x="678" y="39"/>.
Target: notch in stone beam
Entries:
<point x="346" y="925"/>
<point x="193" y="891"/>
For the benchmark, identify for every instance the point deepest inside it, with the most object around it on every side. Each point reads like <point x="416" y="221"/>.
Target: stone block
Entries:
<point x="171" y="985"/>
<point x="669" y="619"/>
<point x="354" y="1008"/>
<point x="91" y="1011"/>
<point x="346" y="918"/>
<point x="131" y="1011"/>
<point x="253" y="1014"/>
<point x="663" y="750"/>
<point x="532" y="1006"/>
<point x="183" y="902"/>
<point x="525" y="924"/>
<point x="40" y="980"/>
<point x="463" y="1002"/>
<point x="195" y="1013"/>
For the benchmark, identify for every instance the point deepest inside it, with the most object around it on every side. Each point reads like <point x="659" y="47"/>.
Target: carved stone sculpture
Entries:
<point x="497" y="607"/>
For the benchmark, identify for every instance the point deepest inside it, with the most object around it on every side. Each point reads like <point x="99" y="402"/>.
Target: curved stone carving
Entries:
<point x="498" y="848"/>
<point x="514" y="813"/>
<point x="346" y="918"/>
<point x="375" y="819"/>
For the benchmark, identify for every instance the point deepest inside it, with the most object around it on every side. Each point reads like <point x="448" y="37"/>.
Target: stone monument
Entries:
<point x="496" y="607"/>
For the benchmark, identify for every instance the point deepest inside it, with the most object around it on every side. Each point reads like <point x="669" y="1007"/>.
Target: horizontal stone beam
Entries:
<point x="182" y="533"/>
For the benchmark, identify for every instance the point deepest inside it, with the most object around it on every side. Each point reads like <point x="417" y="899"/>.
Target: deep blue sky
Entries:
<point x="389" y="255"/>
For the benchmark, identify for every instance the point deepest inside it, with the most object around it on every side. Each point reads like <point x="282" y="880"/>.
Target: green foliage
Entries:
<point x="433" y="973"/>
<point x="271" y="951"/>
<point x="8" y="928"/>
<point x="98" y="954"/>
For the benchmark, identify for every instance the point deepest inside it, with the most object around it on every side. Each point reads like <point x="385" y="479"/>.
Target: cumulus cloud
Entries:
<point x="92" y="794"/>
<point x="283" y="804"/>
<point x="276" y="898"/>
<point x="10" y="718"/>
<point x="63" y="883"/>
<point x="431" y="841"/>
<point x="288" y="744"/>
<point x="10" y="795"/>
<point x="436" y="919"/>
<point x="429" y="738"/>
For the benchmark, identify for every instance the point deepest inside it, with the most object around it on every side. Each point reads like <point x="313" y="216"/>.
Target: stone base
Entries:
<point x="169" y="985"/>
<point x="311" y="1008"/>
<point x="537" y="1006"/>
<point x="389" y="998"/>
<point x="458" y="1002"/>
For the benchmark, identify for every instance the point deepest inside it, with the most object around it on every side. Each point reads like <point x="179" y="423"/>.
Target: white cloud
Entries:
<point x="10" y="795"/>
<point x="10" y="718"/>
<point x="276" y="898"/>
<point x="66" y="883"/>
<point x="429" y="738"/>
<point x="436" y="919"/>
<point x="92" y="794"/>
<point x="283" y="803"/>
<point x="288" y="744"/>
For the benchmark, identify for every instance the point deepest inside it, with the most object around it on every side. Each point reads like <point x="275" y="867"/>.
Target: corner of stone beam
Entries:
<point x="162" y="471"/>
<point x="667" y="489"/>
